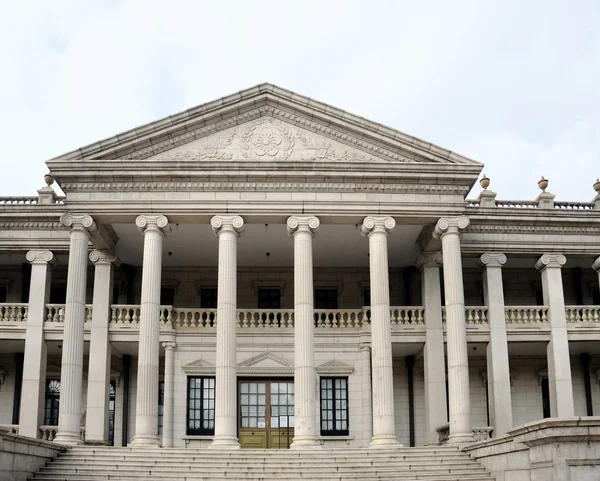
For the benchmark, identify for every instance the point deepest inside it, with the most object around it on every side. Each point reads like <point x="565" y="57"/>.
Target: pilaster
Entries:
<point x="169" y="396"/>
<point x="71" y="373"/>
<point x="34" y="359"/>
<point x="448" y="229"/>
<point x="96" y="420"/>
<point x="154" y="228"/>
<point x="559" y="364"/>
<point x="227" y="228"/>
<point x="302" y="229"/>
<point x="498" y="370"/>
<point x="377" y="229"/>
<point x="433" y="352"/>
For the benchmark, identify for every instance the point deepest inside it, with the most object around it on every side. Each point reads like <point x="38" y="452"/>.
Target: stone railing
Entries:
<point x="443" y="433"/>
<point x="267" y="318"/>
<point x="473" y="314"/>
<point x="56" y="313"/>
<point x="14" y="312"/>
<point x="525" y="314"/>
<point x="11" y="428"/>
<point x="483" y="433"/>
<point x="48" y="433"/>
<point x="19" y="200"/>
<point x="517" y="204"/>
<point x="582" y="313"/>
<point x="341" y="317"/>
<point x="182" y="317"/>
<point x="410" y="315"/>
<point x="574" y="205"/>
<point x="124" y="314"/>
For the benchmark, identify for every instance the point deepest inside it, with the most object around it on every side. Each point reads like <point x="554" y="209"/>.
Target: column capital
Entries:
<point x="153" y="223"/>
<point x="227" y="223"/>
<point x="103" y="257"/>
<point x="447" y="225"/>
<point x="81" y="222"/>
<point x="550" y="260"/>
<point x="302" y="223"/>
<point x="596" y="265"/>
<point x="377" y="223"/>
<point x="41" y="257"/>
<point x="492" y="259"/>
<point x="169" y="345"/>
<point x="429" y="259"/>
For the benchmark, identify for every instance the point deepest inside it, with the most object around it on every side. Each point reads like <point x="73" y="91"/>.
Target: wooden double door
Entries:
<point x="266" y="413"/>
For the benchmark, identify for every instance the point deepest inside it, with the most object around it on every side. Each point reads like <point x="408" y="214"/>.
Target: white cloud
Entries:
<point x="512" y="84"/>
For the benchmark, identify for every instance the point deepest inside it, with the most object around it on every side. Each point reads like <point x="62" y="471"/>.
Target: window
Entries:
<point x="367" y="296"/>
<point x="52" y="402"/>
<point x="334" y="406"/>
<point x="208" y="298"/>
<point x="545" y="397"/>
<point x="58" y="295"/>
<point x="269" y="298"/>
<point x="326" y="299"/>
<point x="2" y="293"/>
<point x="161" y="405"/>
<point x="201" y="406"/>
<point x="167" y="296"/>
<point x="111" y="412"/>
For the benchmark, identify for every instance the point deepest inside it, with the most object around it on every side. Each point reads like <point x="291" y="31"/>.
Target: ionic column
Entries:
<point x="154" y="228"/>
<point x="498" y="371"/>
<point x="302" y="228"/>
<point x="227" y="228"/>
<point x="596" y="267"/>
<point x="167" y="434"/>
<point x="377" y="229"/>
<point x="34" y="360"/>
<point x="447" y="229"/>
<point x="559" y="363"/>
<point x="71" y="371"/>
<point x="96" y="421"/>
<point x="433" y="352"/>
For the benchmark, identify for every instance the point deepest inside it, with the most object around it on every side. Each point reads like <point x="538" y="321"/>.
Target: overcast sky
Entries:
<point x="513" y="84"/>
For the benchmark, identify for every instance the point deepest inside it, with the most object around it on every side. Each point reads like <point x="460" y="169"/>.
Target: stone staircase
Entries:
<point x="127" y="464"/>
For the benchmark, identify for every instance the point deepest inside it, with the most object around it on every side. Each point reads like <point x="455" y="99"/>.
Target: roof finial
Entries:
<point x="543" y="184"/>
<point x="597" y="186"/>
<point x="49" y="179"/>
<point x="484" y="182"/>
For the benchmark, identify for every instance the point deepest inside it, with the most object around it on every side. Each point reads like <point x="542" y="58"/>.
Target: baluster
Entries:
<point x="484" y="316"/>
<point x="25" y="313"/>
<point x="405" y="316"/>
<point x="476" y="317"/>
<point x="469" y="316"/>
<point x="420" y="319"/>
<point x="544" y="315"/>
<point x="170" y="316"/>
<point x="2" y="313"/>
<point x="19" y="313"/>
<point x="113" y="316"/>
<point x="128" y="319"/>
<point x="595" y="311"/>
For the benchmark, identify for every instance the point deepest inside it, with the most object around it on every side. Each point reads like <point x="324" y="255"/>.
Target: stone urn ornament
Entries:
<point x="597" y="186"/>
<point x="543" y="184"/>
<point x="484" y="182"/>
<point x="49" y="179"/>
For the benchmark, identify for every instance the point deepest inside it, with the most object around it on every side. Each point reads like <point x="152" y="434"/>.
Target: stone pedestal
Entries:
<point x="448" y="229"/>
<point x="377" y="229"/>
<point x="34" y="360"/>
<point x="559" y="363"/>
<point x="227" y="228"/>
<point x="302" y="228"/>
<point x="167" y="434"/>
<point x="71" y="372"/>
<point x="433" y="352"/>
<point x="96" y="420"/>
<point x="154" y="228"/>
<point x="498" y="371"/>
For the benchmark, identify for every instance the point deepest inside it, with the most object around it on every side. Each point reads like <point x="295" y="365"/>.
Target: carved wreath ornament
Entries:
<point x="277" y="145"/>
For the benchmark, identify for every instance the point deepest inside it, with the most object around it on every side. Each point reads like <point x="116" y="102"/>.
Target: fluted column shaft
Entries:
<point x="596" y="267"/>
<point x="96" y="421"/>
<point x="154" y="228"/>
<point x="498" y="370"/>
<point x="559" y="363"/>
<point x="367" y="390"/>
<point x="227" y="228"/>
<point x="433" y="352"/>
<point x="34" y="360"/>
<point x="301" y="228"/>
<point x="377" y="229"/>
<point x="71" y="372"/>
<point x="447" y="229"/>
<point x="167" y="434"/>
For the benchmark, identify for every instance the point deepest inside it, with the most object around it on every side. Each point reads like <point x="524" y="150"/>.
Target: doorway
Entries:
<point x="266" y="413"/>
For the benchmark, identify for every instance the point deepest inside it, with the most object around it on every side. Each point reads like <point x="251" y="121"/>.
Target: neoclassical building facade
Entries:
<point x="268" y="271"/>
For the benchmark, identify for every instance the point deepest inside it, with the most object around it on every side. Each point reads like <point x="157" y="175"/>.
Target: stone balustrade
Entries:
<point x="14" y="312"/>
<point x="48" y="433"/>
<point x="124" y="314"/>
<point x="526" y="314"/>
<point x="473" y="315"/>
<point x="56" y="313"/>
<point x="582" y="313"/>
<point x="332" y="318"/>
<point x="573" y="205"/>
<point x="182" y="317"/>
<point x="411" y="315"/>
<point x="11" y="428"/>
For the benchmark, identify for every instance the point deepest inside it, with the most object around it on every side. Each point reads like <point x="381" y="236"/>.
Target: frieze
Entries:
<point x="532" y="229"/>
<point x="274" y="147"/>
<point x="32" y="225"/>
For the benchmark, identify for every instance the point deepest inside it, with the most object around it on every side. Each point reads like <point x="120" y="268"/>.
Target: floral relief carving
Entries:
<point x="268" y="137"/>
<point x="321" y="149"/>
<point x="213" y="149"/>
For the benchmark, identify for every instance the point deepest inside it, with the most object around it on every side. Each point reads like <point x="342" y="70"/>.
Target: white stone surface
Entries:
<point x="302" y="229"/>
<point x="227" y="228"/>
<point x="448" y="229"/>
<point x="167" y="433"/>
<point x="377" y="229"/>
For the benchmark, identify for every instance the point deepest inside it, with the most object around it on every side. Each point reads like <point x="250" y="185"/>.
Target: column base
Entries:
<point x="306" y="442"/>
<point x="225" y="442"/>
<point x="460" y="438"/>
<point x="384" y="441"/>
<point x="145" y="441"/>
<point x="68" y="439"/>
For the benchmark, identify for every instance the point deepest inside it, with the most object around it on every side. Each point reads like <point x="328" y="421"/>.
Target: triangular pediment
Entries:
<point x="266" y="360"/>
<point x="334" y="367"/>
<point x="266" y="122"/>
<point x="200" y="366"/>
